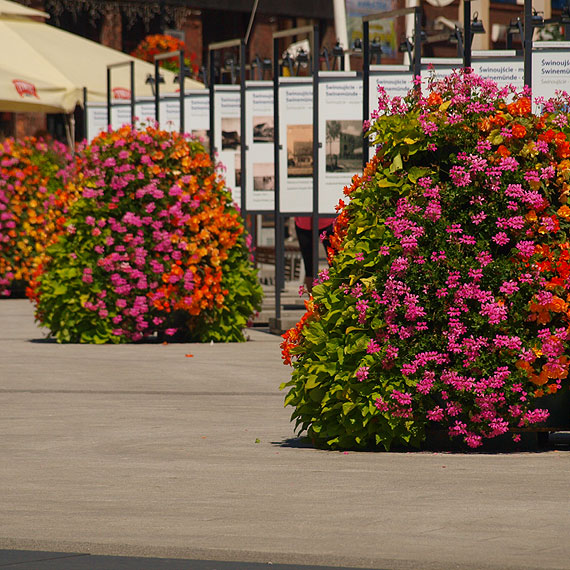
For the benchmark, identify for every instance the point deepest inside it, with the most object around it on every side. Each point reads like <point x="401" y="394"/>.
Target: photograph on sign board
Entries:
<point x="263" y="129"/>
<point x="343" y="146"/>
<point x="230" y="133"/>
<point x="263" y="176"/>
<point x="237" y="166"/>
<point x="202" y="136"/>
<point x="299" y="151"/>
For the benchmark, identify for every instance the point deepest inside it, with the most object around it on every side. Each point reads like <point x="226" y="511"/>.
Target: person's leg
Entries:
<point x="306" y="247"/>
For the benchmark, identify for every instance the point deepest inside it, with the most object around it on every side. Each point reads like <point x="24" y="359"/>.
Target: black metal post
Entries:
<point x="85" y="116"/>
<point x="417" y="42"/>
<point x="243" y="146"/>
<point x="132" y="66"/>
<point x="212" y="81"/>
<point x="527" y="44"/>
<point x="316" y="148"/>
<point x="365" y="88"/>
<point x="156" y="93"/>
<point x="108" y="96"/>
<point x="277" y="210"/>
<point x="467" y="33"/>
<point x="181" y="77"/>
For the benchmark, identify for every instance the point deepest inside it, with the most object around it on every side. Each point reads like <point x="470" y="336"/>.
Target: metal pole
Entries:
<point x="212" y="114"/>
<point x="467" y="33"/>
<point x="156" y="93"/>
<point x="243" y="146"/>
<point x="365" y="88"/>
<point x="276" y="149"/>
<point x="132" y="66"/>
<point x="417" y="42"/>
<point x="108" y="96"/>
<point x="181" y="77"/>
<point x="316" y="145"/>
<point x="527" y="44"/>
<point x="85" y="116"/>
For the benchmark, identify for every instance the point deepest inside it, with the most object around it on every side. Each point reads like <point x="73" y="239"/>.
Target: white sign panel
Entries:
<point x="197" y="115"/>
<point x="120" y="115"/>
<point x="438" y="68"/>
<point x="551" y="70"/>
<point x="145" y="112"/>
<point x="502" y="67"/>
<point x="259" y="138"/>
<point x="395" y="79"/>
<point x="296" y="148"/>
<point x="169" y="114"/>
<point x="227" y="135"/>
<point x="96" y="119"/>
<point x="341" y="134"/>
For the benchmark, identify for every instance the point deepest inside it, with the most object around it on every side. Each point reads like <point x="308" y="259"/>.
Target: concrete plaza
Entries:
<point x="144" y="450"/>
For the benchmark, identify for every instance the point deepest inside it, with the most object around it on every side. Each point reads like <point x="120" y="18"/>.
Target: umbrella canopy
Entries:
<point x="15" y="9"/>
<point x="45" y="69"/>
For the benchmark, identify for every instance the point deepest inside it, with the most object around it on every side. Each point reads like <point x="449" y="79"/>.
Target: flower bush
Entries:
<point x="446" y="304"/>
<point x="153" y="246"/>
<point x="33" y="201"/>
<point x="159" y="43"/>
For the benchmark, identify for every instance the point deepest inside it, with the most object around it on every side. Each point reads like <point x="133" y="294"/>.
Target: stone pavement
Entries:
<point x="143" y="451"/>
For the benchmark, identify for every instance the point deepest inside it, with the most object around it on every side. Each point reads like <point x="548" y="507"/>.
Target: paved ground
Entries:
<point x="143" y="451"/>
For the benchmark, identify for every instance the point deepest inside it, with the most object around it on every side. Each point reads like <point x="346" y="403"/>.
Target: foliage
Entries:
<point x="446" y="304"/>
<point x="153" y="246"/>
<point x="32" y="205"/>
<point x="157" y="44"/>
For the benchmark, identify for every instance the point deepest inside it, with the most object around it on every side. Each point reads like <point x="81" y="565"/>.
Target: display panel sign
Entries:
<point x="169" y="114"/>
<point x="296" y="145"/>
<point x="120" y="115"/>
<point x="227" y="135"/>
<point x="395" y="79"/>
<point x="259" y="139"/>
<point x="340" y="134"/>
<point x="550" y="68"/>
<point x="197" y="116"/>
<point x="145" y="112"/>
<point x="96" y="119"/>
<point x="502" y="67"/>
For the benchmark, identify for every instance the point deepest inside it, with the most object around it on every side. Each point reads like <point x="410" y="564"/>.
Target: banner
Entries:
<point x="296" y="148"/>
<point x="227" y="135"/>
<point x="169" y="113"/>
<point x="259" y="140"/>
<point x="502" y="67"/>
<point x="340" y="135"/>
<point x="383" y="30"/>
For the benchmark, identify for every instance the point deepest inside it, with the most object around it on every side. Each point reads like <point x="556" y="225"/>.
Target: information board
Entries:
<point x="550" y="68"/>
<point x="503" y="67"/>
<point x="395" y="79"/>
<point x="227" y="135"/>
<point x="296" y="145"/>
<point x="340" y="135"/>
<point x="197" y="115"/>
<point x="96" y="119"/>
<point x="259" y="139"/>
<point x="120" y="115"/>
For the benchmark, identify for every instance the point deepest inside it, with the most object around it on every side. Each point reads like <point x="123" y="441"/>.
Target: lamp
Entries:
<point x="301" y="60"/>
<point x="537" y="21"/>
<point x="338" y="55"/>
<point x="287" y="63"/>
<point x="477" y="25"/>
<point x="150" y="81"/>
<point x="515" y="27"/>
<point x="357" y="45"/>
<point x="375" y="50"/>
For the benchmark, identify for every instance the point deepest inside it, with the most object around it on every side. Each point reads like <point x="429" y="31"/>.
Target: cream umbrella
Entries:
<point x="46" y="69"/>
<point x="15" y="9"/>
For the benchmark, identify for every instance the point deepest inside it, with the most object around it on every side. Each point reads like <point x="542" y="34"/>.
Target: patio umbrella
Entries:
<point x="45" y="69"/>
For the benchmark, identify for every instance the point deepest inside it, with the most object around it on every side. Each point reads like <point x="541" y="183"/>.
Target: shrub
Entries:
<point x="446" y="303"/>
<point x="153" y="246"/>
<point x="33" y="202"/>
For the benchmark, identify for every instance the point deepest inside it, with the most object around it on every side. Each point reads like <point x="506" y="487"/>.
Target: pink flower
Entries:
<point x="362" y="373"/>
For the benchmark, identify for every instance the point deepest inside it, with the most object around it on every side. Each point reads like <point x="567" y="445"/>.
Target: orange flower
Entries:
<point x="564" y="212"/>
<point x="503" y="151"/>
<point x="519" y="131"/>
